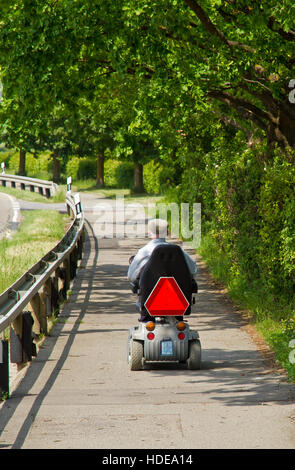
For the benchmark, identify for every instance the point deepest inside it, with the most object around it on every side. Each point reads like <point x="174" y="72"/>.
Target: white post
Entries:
<point x="77" y="202"/>
<point x="69" y="184"/>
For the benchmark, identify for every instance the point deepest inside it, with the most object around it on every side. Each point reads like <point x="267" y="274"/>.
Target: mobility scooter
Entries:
<point x="165" y="291"/>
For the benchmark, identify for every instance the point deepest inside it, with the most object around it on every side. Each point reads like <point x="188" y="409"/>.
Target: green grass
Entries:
<point x="112" y="193"/>
<point x="27" y="195"/>
<point x="273" y="317"/>
<point x="90" y="185"/>
<point x="38" y="233"/>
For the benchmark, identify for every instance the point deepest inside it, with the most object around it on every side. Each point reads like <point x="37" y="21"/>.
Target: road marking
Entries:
<point x="16" y="213"/>
<point x="15" y="208"/>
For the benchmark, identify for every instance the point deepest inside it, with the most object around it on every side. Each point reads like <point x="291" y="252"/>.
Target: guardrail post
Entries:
<point x="46" y="297"/>
<point x="4" y="368"/>
<point x="54" y="292"/>
<point x="66" y="274"/>
<point x="22" y="347"/>
<point x="80" y="247"/>
<point x="15" y="343"/>
<point x="74" y="262"/>
<point x="39" y="315"/>
<point x="29" y="348"/>
<point x="62" y="284"/>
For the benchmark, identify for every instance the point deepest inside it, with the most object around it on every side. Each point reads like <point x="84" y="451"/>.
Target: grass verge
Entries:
<point x="38" y="233"/>
<point x="34" y="196"/>
<point x="273" y="318"/>
<point x="111" y="193"/>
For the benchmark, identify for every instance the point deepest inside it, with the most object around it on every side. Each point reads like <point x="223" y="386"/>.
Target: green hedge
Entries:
<point x="117" y="174"/>
<point x="248" y="198"/>
<point x="37" y="167"/>
<point x="81" y="168"/>
<point x="248" y="230"/>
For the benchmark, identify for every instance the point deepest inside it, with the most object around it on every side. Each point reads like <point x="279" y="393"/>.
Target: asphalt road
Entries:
<point x="80" y="394"/>
<point x="9" y="214"/>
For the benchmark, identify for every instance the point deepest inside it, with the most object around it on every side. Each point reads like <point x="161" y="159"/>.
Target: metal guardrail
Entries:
<point x="45" y="188"/>
<point x="27" y="305"/>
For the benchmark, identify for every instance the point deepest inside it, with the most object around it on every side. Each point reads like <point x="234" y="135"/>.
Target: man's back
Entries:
<point x="144" y="254"/>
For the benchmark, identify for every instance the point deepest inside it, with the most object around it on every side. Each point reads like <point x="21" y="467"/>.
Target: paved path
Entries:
<point x="9" y="214"/>
<point x="10" y="211"/>
<point x="80" y="393"/>
<point x="31" y="205"/>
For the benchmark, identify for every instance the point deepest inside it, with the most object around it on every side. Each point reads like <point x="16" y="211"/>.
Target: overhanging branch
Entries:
<point x="243" y="108"/>
<point x="212" y="29"/>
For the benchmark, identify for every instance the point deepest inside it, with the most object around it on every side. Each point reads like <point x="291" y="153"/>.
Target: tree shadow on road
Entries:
<point x="33" y="372"/>
<point x="234" y="378"/>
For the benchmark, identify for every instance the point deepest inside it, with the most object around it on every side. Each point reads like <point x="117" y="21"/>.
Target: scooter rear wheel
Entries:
<point x="135" y="355"/>
<point x="194" y="359"/>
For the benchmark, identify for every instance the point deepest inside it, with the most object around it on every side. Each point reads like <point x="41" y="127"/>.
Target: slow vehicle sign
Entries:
<point x="166" y="298"/>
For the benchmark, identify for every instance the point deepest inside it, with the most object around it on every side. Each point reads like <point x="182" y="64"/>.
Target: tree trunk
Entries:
<point x="100" y="170"/>
<point x="56" y="167"/>
<point x="286" y="124"/>
<point x="22" y="163"/>
<point x="138" y="178"/>
<point x="277" y="120"/>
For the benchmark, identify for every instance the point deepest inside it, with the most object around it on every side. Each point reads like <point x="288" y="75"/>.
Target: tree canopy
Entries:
<point x="234" y="57"/>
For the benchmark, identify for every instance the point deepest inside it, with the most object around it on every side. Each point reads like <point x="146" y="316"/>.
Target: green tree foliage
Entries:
<point x="200" y="88"/>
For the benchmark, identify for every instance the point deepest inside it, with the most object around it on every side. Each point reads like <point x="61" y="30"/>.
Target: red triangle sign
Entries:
<point x="166" y="298"/>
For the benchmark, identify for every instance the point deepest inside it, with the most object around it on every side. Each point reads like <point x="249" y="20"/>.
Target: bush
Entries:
<point x="87" y="168"/>
<point x="36" y="166"/>
<point x="152" y="177"/>
<point x="248" y="197"/>
<point x="110" y="167"/>
<point x="116" y="174"/>
<point x="81" y="168"/>
<point x="72" y="167"/>
<point x="124" y="175"/>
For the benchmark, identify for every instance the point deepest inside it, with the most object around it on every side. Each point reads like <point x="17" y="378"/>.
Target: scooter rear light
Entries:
<point x="181" y="326"/>
<point x="150" y="326"/>
<point x="181" y="335"/>
<point x="150" y="335"/>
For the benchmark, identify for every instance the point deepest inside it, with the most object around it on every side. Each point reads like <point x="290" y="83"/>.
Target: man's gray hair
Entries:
<point x="158" y="227"/>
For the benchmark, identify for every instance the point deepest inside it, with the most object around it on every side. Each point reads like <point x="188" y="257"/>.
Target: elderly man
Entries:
<point x="158" y="229"/>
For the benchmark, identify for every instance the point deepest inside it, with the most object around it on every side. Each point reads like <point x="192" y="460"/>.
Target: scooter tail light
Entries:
<point x="181" y="326"/>
<point x="150" y="335"/>
<point x="150" y="326"/>
<point x="181" y="335"/>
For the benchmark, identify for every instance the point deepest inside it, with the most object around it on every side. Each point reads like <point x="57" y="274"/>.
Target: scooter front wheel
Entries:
<point x="135" y="354"/>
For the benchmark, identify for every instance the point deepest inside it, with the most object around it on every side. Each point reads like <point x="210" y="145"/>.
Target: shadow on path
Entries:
<point x="38" y="364"/>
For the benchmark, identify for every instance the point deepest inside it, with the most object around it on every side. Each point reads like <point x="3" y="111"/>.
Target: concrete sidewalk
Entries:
<point x="79" y="392"/>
